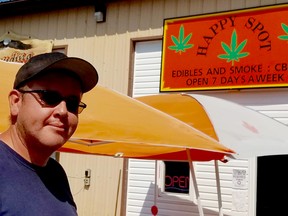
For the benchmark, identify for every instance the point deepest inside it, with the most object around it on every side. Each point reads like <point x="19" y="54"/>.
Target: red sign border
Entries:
<point x="224" y="13"/>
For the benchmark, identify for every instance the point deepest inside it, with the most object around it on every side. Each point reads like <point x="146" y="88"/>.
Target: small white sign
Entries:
<point x="239" y="178"/>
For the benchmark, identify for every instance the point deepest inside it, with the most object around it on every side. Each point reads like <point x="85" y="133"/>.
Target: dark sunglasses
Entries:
<point x="53" y="98"/>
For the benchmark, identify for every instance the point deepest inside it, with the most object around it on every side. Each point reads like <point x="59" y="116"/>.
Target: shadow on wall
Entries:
<point x="169" y="206"/>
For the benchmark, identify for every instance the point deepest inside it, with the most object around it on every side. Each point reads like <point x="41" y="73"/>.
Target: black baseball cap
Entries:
<point x="57" y="61"/>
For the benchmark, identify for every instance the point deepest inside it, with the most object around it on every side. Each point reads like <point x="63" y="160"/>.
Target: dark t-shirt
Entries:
<point x="29" y="190"/>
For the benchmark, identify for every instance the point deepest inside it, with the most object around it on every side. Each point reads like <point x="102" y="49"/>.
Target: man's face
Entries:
<point x="47" y="127"/>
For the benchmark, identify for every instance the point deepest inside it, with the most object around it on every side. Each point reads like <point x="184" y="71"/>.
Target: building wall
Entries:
<point x="144" y="190"/>
<point x="238" y="197"/>
<point x="108" y="47"/>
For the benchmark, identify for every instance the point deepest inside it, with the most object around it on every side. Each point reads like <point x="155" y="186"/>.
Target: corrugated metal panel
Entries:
<point x="101" y="196"/>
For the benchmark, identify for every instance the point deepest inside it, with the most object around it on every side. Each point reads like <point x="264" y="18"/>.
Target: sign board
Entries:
<point x="227" y="50"/>
<point x="177" y="177"/>
<point x="17" y="48"/>
<point x="239" y="178"/>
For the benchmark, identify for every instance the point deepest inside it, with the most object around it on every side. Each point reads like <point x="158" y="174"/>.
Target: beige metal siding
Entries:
<point x="102" y="196"/>
<point x="107" y="46"/>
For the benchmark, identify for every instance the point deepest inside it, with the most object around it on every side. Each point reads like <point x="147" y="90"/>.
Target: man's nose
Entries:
<point x="62" y="108"/>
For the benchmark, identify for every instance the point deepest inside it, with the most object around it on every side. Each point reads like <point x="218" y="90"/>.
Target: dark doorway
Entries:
<point x="272" y="186"/>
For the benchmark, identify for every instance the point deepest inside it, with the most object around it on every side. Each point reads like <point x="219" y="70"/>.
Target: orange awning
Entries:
<point x="117" y="125"/>
<point x="7" y="71"/>
<point x="248" y="132"/>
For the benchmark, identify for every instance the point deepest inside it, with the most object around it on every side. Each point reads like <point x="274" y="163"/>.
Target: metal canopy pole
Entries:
<point x="154" y="208"/>
<point x="192" y="171"/>
<point x="218" y="188"/>
<point x="156" y="184"/>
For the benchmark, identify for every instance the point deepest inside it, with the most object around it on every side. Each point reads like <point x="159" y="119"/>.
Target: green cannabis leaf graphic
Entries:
<point x="233" y="53"/>
<point x="181" y="43"/>
<point x="285" y="28"/>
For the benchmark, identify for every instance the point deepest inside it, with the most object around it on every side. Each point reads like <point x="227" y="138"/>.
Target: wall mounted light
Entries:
<point x="100" y="11"/>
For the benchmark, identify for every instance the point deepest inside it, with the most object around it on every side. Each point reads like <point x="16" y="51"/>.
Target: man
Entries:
<point x="44" y="107"/>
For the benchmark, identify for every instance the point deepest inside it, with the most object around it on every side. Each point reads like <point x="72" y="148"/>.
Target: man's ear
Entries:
<point x="15" y="100"/>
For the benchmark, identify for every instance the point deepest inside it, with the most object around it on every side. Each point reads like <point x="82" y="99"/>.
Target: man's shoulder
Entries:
<point x="54" y="165"/>
<point x="4" y="151"/>
<point x="54" y="168"/>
